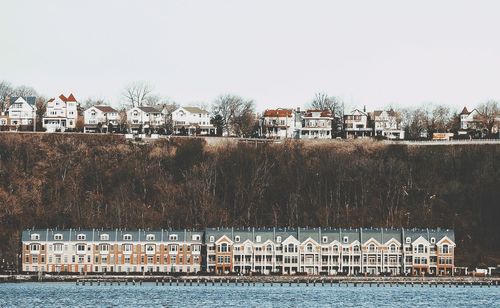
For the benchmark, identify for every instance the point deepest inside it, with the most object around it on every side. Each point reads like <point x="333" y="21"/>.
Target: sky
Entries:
<point x="276" y="52"/>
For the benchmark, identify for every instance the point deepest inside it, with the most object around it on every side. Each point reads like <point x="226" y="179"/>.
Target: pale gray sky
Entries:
<point x="278" y="53"/>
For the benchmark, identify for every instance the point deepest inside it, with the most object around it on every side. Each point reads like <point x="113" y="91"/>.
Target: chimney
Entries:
<point x="364" y="108"/>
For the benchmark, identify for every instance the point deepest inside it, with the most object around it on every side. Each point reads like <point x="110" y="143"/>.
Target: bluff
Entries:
<point x="89" y="181"/>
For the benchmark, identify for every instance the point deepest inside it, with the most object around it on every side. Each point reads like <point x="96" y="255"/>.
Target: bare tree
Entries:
<point x="5" y="92"/>
<point x="416" y="122"/>
<point x="335" y="105"/>
<point x="235" y="113"/>
<point x="137" y="93"/>
<point x="490" y="115"/>
<point x="24" y="91"/>
<point x="90" y="102"/>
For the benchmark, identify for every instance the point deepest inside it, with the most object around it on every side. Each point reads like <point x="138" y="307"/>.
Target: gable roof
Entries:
<point x="105" y="108"/>
<point x="31" y="100"/>
<point x="464" y="111"/>
<point x="278" y="113"/>
<point x="149" y="109"/>
<point x="195" y="110"/>
<point x="71" y="98"/>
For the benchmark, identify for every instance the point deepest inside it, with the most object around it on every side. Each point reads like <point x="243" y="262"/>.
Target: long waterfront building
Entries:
<point x="287" y="251"/>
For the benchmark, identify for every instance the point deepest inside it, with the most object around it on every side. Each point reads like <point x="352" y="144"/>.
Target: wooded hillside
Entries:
<point x="56" y="180"/>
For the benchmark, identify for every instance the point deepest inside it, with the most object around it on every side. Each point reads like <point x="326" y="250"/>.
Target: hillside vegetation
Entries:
<point x="56" y="180"/>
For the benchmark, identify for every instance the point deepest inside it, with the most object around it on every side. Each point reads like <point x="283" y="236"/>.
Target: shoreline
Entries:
<point x="219" y="280"/>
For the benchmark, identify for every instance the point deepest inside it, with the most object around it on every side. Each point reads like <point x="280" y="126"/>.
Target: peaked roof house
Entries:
<point x="357" y="124"/>
<point x="386" y="124"/>
<point x="21" y="113"/>
<point x="192" y="121"/>
<point x="61" y="114"/>
<point x="98" y="118"/>
<point x="145" y="117"/>
<point x="314" y="124"/>
<point x="470" y="122"/>
<point x="278" y="123"/>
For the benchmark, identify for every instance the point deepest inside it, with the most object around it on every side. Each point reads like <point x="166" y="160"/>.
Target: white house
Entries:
<point x="386" y="124"/>
<point x="62" y="113"/>
<point x="357" y="124"/>
<point x="315" y="124"/>
<point x="146" y="117"/>
<point x="192" y="121"/>
<point x="278" y="123"/>
<point x="100" y="115"/>
<point x="21" y="112"/>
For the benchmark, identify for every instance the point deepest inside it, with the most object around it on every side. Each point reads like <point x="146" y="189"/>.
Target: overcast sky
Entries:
<point x="279" y="53"/>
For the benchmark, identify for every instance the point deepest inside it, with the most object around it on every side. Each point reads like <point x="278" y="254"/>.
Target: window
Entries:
<point x="309" y="248"/>
<point x="392" y="248"/>
<point x="335" y="248"/>
<point x="355" y="248"/>
<point x="212" y="239"/>
<point x="150" y="237"/>
<point x="420" y="248"/>
<point x="104" y="237"/>
<point x="269" y="248"/>
<point x="127" y="247"/>
<point x="58" y="237"/>
<point x="237" y="239"/>
<point x="80" y="237"/>
<point x="196" y="237"/>
<point x="104" y="247"/>
<point x="35" y="247"/>
<point x="127" y="237"/>
<point x="433" y="240"/>
<point x="278" y="239"/>
<point x="58" y="248"/>
<point x="258" y="239"/>
<point x="196" y="248"/>
<point x="372" y="248"/>
<point x="408" y="240"/>
<point x="346" y="239"/>
<point x="446" y="249"/>
<point x="223" y="247"/>
<point x="150" y="248"/>
<point x="80" y="248"/>
<point x="173" y="248"/>
<point x="324" y="239"/>
<point x="173" y="237"/>
<point x="35" y="237"/>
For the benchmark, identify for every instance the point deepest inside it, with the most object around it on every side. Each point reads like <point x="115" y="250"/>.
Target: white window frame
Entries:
<point x="35" y="237"/>
<point x="150" y="237"/>
<point x="173" y="237"/>
<point x="104" y="237"/>
<point x="258" y="239"/>
<point x="212" y="239"/>
<point x="237" y="239"/>
<point x="81" y="237"/>
<point x="127" y="237"/>
<point x="346" y="239"/>
<point x="324" y="239"/>
<point x="278" y="239"/>
<point x="58" y="237"/>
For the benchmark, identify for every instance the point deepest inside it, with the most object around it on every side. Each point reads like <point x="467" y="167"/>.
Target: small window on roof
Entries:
<point x="278" y="239"/>
<point x="195" y="237"/>
<point x="127" y="237"/>
<point x="433" y="240"/>
<point x="346" y="239"/>
<point x="212" y="239"/>
<point x="58" y="237"/>
<point x="35" y="237"/>
<point x="173" y="237"/>
<point x="237" y="238"/>
<point x="104" y="237"/>
<point x="258" y="238"/>
<point x="408" y="240"/>
<point x="324" y="239"/>
<point x="150" y="237"/>
<point x="81" y="237"/>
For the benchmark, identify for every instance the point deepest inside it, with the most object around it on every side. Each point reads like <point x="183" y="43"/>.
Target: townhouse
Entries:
<point x="192" y="121"/>
<point x="144" y="118"/>
<point x="21" y="113"/>
<point x="123" y="251"/>
<point x="61" y="113"/>
<point x="100" y="118"/>
<point x="387" y="124"/>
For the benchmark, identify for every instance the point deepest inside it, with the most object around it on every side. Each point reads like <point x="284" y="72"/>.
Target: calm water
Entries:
<point x="68" y="294"/>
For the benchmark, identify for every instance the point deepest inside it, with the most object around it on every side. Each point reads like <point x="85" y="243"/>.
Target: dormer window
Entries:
<point x="127" y="237"/>
<point x="433" y="240"/>
<point x="346" y="239"/>
<point x="150" y="237"/>
<point x="104" y="237"/>
<point x="408" y="240"/>
<point x="258" y="239"/>
<point x="173" y="237"/>
<point x="211" y="239"/>
<point x="278" y="239"/>
<point x="237" y="238"/>
<point x="324" y="239"/>
<point x="58" y="237"/>
<point x="196" y="237"/>
<point x="35" y="237"/>
<point x="81" y="237"/>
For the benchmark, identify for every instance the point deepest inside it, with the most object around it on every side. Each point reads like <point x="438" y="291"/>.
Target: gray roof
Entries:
<point x="31" y="100"/>
<point x="149" y="109"/>
<point x="195" y="110"/>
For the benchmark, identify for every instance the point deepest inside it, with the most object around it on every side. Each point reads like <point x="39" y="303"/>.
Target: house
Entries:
<point x="471" y="123"/>
<point x="314" y="124"/>
<point x="145" y="118"/>
<point x="386" y="124"/>
<point x="357" y="124"/>
<point x="22" y="113"/>
<point x="285" y="251"/>
<point x="61" y="113"/>
<point x="278" y="123"/>
<point x="100" y="118"/>
<point x="192" y="121"/>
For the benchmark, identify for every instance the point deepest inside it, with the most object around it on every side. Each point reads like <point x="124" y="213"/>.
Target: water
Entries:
<point x="65" y="294"/>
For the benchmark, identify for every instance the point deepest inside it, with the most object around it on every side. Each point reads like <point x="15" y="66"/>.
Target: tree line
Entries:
<point x="235" y="115"/>
<point x="86" y="181"/>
